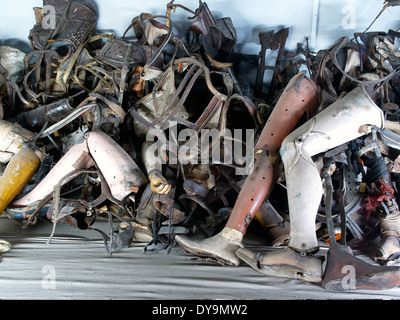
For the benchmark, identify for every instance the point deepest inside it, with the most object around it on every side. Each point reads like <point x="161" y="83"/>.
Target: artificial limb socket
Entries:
<point x="300" y="96"/>
<point x="341" y="122"/>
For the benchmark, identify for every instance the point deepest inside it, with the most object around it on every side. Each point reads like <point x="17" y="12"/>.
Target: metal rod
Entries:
<point x="328" y="208"/>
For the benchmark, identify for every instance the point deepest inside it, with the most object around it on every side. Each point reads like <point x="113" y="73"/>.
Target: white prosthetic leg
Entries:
<point x="344" y="120"/>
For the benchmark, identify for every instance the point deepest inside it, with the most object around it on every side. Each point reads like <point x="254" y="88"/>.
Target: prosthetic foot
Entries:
<point x="221" y="247"/>
<point x="346" y="272"/>
<point x="389" y="247"/>
<point x="284" y="263"/>
<point x="4" y="246"/>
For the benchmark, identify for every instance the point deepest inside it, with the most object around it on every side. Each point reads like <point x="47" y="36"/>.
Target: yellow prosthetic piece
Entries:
<point x="17" y="174"/>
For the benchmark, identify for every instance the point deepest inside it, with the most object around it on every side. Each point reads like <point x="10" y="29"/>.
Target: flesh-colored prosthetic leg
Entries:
<point x="70" y="162"/>
<point x="121" y="173"/>
<point x="300" y="96"/>
<point x="341" y="122"/>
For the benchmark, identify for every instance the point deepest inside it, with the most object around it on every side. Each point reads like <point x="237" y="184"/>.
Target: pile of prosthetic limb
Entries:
<point x="97" y="126"/>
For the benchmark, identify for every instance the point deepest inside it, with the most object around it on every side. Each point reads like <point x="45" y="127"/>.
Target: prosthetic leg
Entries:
<point x="19" y="171"/>
<point x="341" y="122"/>
<point x="300" y="96"/>
<point x="22" y="162"/>
<point x="122" y="174"/>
